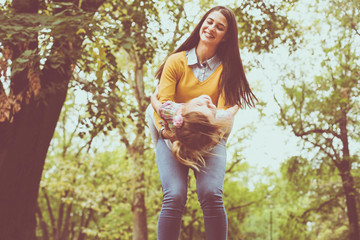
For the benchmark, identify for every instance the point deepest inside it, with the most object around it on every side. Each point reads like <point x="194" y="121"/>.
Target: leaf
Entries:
<point x="81" y="31"/>
<point x="127" y="46"/>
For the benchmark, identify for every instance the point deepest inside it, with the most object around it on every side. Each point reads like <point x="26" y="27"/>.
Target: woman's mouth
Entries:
<point x="208" y="35"/>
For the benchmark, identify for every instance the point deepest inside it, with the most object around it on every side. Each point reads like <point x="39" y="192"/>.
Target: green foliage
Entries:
<point x="128" y="26"/>
<point x="323" y="112"/>
<point x="45" y="28"/>
<point x="264" y="25"/>
<point x="90" y="187"/>
<point x="245" y="200"/>
<point x="309" y="202"/>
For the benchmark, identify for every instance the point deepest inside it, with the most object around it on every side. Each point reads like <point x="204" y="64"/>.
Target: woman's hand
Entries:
<point x="168" y="134"/>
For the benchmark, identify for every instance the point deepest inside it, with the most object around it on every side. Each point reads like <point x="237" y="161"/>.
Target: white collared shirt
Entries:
<point x="204" y="70"/>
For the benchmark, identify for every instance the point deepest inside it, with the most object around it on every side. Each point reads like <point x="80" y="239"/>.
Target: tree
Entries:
<point x="323" y="112"/>
<point x="313" y="206"/>
<point x="130" y="100"/>
<point x="30" y="106"/>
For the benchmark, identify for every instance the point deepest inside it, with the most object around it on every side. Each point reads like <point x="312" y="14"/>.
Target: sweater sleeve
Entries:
<point x="172" y="72"/>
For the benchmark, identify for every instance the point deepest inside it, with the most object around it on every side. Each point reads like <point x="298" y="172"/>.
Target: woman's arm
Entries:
<point x="172" y="72"/>
<point x="164" y="131"/>
<point x="156" y="104"/>
<point x="170" y="76"/>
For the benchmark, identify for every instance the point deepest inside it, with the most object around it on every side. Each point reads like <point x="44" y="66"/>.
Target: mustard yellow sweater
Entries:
<point x="179" y="84"/>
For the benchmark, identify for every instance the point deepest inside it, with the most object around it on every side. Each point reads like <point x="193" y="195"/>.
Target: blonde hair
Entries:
<point x="195" y="138"/>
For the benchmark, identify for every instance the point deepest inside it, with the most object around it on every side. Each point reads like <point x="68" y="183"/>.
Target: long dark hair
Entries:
<point x="234" y="83"/>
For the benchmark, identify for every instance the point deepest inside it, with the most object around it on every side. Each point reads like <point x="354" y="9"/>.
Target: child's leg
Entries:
<point x="173" y="176"/>
<point x="209" y="183"/>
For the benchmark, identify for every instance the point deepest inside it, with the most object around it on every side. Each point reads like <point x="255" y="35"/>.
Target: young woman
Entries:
<point x="207" y="63"/>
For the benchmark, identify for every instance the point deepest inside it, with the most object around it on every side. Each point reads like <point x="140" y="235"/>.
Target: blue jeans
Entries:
<point x="209" y="184"/>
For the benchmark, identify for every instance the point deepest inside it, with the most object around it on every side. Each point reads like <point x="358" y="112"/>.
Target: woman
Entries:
<point x="207" y="63"/>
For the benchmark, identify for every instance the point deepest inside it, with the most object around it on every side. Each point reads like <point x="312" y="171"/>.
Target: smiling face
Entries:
<point x="203" y="105"/>
<point x="214" y="28"/>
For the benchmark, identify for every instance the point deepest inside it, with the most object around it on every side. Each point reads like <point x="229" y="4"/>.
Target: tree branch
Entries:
<point x="123" y="137"/>
<point x="60" y="216"/>
<point x="233" y="164"/>
<point x="42" y="223"/>
<point x="302" y="133"/>
<point x="72" y="135"/>
<point x="356" y="31"/>
<point x="334" y="157"/>
<point x="316" y="209"/>
<point x="245" y="205"/>
<point x="51" y="215"/>
<point x="65" y="232"/>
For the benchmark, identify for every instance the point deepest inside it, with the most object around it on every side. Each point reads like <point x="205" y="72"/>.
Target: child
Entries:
<point x="196" y="127"/>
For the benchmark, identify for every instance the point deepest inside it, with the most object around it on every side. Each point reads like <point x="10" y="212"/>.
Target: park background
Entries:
<point x="76" y="159"/>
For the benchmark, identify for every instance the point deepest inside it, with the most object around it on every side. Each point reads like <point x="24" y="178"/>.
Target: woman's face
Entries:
<point x="214" y="28"/>
<point x="202" y="104"/>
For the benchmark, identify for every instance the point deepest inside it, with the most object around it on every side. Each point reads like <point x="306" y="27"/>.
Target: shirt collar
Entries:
<point x="213" y="62"/>
<point x="191" y="57"/>
<point x="193" y="60"/>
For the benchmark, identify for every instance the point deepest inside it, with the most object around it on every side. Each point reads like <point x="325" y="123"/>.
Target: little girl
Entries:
<point x="196" y="127"/>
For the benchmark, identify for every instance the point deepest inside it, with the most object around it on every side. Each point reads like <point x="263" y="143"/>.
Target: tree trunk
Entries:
<point x="349" y="190"/>
<point x="25" y="138"/>
<point x="140" y="230"/>
<point x="42" y="223"/>
<point x="23" y="147"/>
<point x="348" y="181"/>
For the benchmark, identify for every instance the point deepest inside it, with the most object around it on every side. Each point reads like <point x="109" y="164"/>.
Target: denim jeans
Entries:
<point x="209" y="184"/>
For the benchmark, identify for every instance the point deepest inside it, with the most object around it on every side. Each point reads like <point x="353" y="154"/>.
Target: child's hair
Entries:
<point x="195" y="138"/>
